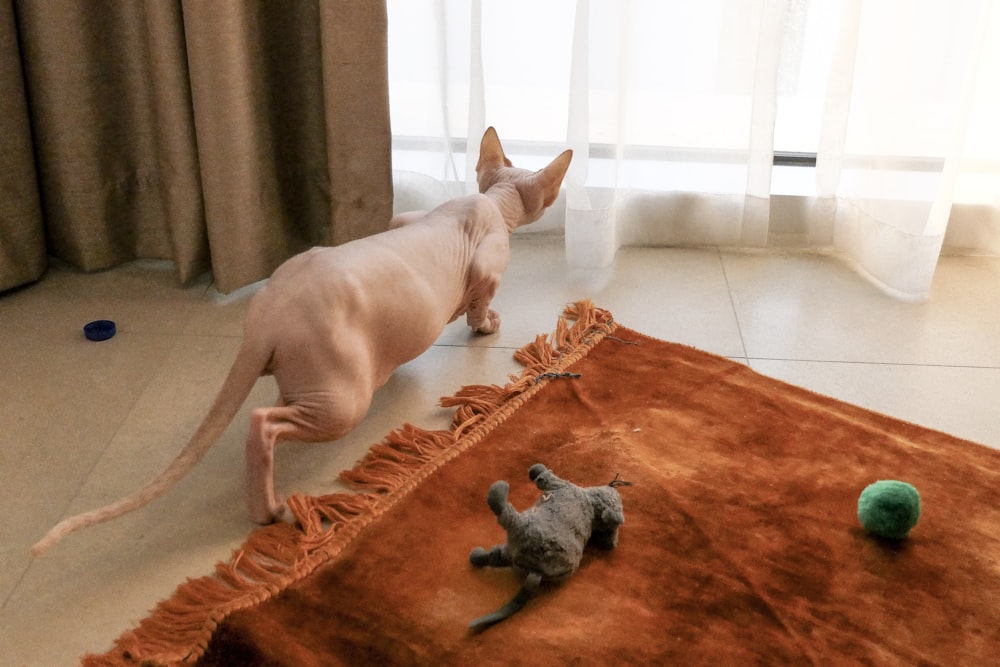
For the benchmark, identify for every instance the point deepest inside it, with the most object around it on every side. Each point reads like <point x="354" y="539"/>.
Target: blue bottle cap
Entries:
<point x="99" y="330"/>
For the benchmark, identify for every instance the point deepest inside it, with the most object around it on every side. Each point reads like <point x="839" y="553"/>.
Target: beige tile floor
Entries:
<point x="82" y="423"/>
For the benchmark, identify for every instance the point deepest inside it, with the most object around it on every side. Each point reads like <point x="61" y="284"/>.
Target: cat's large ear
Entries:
<point x="491" y="152"/>
<point x="551" y="177"/>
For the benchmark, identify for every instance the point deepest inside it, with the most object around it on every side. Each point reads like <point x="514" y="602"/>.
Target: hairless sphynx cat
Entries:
<point x="332" y="324"/>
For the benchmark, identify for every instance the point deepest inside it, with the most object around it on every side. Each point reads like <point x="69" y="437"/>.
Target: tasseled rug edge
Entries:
<point x="179" y="629"/>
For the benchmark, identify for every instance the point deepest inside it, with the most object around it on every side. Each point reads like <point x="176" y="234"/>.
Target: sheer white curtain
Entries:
<point x="675" y="110"/>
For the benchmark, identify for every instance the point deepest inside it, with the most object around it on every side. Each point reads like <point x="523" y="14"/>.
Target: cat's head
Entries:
<point x="538" y="189"/>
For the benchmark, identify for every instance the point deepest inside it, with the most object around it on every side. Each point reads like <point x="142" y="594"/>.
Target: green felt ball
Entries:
<point x="889" y="508"/>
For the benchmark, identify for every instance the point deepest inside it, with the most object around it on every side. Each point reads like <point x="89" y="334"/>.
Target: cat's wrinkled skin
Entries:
<point x="332" y="324"/>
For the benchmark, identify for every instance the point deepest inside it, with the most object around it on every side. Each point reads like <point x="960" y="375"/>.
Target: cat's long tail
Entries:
<point x="515" y="605"/>
<point x="250" y="363"/>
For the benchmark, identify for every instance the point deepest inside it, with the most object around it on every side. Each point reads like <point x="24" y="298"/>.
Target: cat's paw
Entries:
<point x="272" y="513"/>
<point x="282" y="514"/>
<point x="491" y="325"/>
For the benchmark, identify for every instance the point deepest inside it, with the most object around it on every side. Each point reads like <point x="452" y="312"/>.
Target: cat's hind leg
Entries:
<point x="313" y="421"/>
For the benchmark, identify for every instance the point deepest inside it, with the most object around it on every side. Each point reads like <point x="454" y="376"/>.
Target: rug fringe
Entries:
<point x="273" y="557"/>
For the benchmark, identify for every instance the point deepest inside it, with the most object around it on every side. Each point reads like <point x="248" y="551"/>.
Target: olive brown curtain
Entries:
<point x="225" y="135"/>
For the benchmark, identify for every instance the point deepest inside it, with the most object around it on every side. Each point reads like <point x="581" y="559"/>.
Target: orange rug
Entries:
<point x="741" y="542"/>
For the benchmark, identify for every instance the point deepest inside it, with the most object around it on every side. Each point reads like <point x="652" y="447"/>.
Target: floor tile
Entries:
<point x="141" y="296"/>
<point x="813" y="307"/>
<point x="957" y="400"/>
<point x="689" y="304"/>
<point x="61" y="402"/>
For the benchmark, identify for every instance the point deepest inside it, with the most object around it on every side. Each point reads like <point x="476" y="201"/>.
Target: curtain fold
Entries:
<point x="359" y="141"/>
<point x="22" y="235"/>
<point x="223" y="135"/>
<point x="927" y="83"/>
<point x="675" y="112"/>
<point x="591" y="234"/>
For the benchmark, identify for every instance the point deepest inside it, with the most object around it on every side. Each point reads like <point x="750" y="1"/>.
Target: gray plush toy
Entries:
<point x="547" y="540"/>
